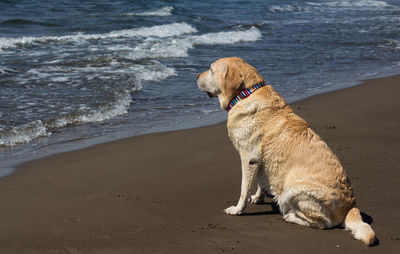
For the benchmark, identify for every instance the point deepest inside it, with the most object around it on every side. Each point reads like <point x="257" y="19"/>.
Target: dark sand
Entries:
<point x="164" y="193"/>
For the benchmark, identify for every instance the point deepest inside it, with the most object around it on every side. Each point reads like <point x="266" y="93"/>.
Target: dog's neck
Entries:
<point x="243" y="94"/>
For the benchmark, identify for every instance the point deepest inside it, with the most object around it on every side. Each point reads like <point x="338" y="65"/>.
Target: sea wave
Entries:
<point x="329" y="5"/>
<point x="179" y="47"/>
<point x="286" y="8"/>
<point x="117" y="105"/>
<point x="152" y="73"/>
<point x="163" y="11"/>
<point x="230" y="37"/>
<point x="395" y="44"/>
<point x="41" y="128"/>
<point x="160" y="31"/>
<point x="23" y="133"/>
<point x="358" y="3"/>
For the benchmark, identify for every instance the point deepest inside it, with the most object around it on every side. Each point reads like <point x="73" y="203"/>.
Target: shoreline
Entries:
<point x="8" y="167"/>
<point x="164" y="192"/>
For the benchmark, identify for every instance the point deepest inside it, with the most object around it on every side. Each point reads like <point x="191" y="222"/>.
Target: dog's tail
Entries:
<point x="360" y="230"/>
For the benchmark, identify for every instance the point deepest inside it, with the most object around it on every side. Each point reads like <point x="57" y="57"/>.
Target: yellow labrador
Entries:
<point x="282" y="153"/>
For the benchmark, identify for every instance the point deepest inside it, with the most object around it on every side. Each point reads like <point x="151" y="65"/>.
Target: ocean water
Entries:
<point x="76" y="73"/>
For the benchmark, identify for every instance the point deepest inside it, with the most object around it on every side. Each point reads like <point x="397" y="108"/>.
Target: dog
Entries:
<point x="280" y="151"/>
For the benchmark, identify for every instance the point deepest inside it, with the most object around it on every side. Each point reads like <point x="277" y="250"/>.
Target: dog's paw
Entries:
<point x="233" y="210"/>
<point x="254" y="199"/>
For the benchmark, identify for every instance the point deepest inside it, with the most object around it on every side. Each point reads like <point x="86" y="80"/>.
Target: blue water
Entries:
<point x="74" y="72"/>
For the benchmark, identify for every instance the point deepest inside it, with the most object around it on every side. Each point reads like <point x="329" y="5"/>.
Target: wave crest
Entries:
<point x="341" y="4"/>
<point x="180" y="47"/>
<point x="163" y="11"/>
<point x="160" y="31"/>
<point x="23" y="133"/>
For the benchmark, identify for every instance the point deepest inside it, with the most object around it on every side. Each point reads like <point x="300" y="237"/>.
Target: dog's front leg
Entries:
<point x="249" y="170"/>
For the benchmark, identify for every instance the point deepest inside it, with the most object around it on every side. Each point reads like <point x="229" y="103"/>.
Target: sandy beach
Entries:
<point x="165" y="192"/>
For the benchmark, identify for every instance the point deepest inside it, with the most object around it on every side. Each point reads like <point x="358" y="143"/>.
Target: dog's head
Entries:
<point x="226" y="77"/>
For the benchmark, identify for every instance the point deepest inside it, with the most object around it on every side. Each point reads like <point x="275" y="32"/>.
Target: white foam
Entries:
<point x="231" y="37"/>
<point x="314" y="4"/>
<point x="396" y="44"/>
<point x="120" y="107"/>
<point x="154" y="48"/>
<point x="160" y="31"/>
<point x="28" y="132"/>
<point x="60" y="79"/>
<point x="154" y="72"/>
<point x="364" y="4"/>
<point x="286" y="8"/>
<point x="60" y="122"/>
<point x="23" y="133"/>
<point x="359" y="3"/>
<point x="163" y="11"/>
<point x="4" y="70"/>
<point x="160" y="49"/>
<point x="338" y="4"/>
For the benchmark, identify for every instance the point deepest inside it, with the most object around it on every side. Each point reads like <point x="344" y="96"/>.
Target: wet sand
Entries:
<point x="165" y="192"/>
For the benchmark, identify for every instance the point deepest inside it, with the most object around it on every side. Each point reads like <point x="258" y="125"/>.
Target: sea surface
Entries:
<point x="76" y="73"/>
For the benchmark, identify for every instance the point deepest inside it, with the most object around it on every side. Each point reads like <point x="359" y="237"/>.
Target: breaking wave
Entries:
<point x="23" y="133"/>
<point x="179" y="47"/>
<point x="163" y="11"/>
<point x="117" y="105"/>
<point x="160" y="31"/>
<point x="338" y="5"/>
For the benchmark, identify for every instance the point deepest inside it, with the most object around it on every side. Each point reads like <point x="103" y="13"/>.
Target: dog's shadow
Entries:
<point x="366" y="218"/>
<point x="275" y="210"/>
<point x="274" y="206"/>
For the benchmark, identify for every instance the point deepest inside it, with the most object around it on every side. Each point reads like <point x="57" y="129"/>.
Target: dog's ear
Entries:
<point x="233" y="81"/>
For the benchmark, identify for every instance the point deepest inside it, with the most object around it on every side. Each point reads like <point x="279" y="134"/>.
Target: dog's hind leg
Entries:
<point x="298" y="217"/>
<point x="258" y="197"/>
<point x="250" y="168"/>
<point x="292" y="217"/>
<point x="304" y="209"/>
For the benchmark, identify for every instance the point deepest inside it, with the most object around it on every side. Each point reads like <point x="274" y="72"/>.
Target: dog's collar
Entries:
<point x="243" y="95"/>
